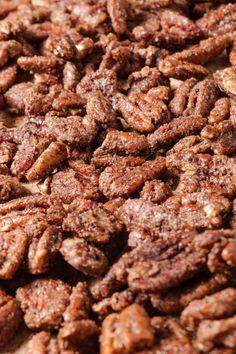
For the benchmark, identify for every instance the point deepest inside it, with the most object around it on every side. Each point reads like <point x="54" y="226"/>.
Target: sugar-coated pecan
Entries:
<point x="10" y="317"/>
<point x="216" y="332"/>
<point x="176" y="300"/>
<point x="100" y="109"/>
<point x="156" y="191"/>
<point x="218" y="305"/>
<point x="91" y="221"/>
<point x="218" y="21"/>
<point x="9" y="49"/>
<point x="179" y="101"/>
<point x="11" y="188"/>
<point x="220" y="111"/>
<point x="81" y="180"/>
<point x="74" y="129"/>
<point x="200" y="172"/>
<point x="80" y="303"/>
<point x="221" y="137"/>
<point x="117" y="12"/>
<point x="225" y="79"/>
<point x="126" y="332"/>
<point x="42" y="342"/>
<point x="13" y="245"/>
<point x="43" y="302"/>
<point x="84" y="257"/>
<point x="123" y="180"/>
<point x="171" y="132"/>
<point x="7" y="77"/>
<point x="38" y="63"/>
<point x="71" y="76"/>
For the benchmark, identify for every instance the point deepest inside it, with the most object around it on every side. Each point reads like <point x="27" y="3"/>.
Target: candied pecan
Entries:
<point x="179" y="101"/>
<point x="126" y="332"/>
<point x="42" y="343"/>
<point x="80" y="303"/>
<point x="11" y="188"/>
<point x="100" y="109"/>
<point x="210" y="307"/>
<point x="71" y="76"/>
<point x="42" y="251"/>
<point x="146" y="79"/>
<point x="91" y="221"/>
<point x="200" y="172"/>
<point x="30" y="150"/>
<point x="7" y="151"/>
<point x="177" y="29"/>
<point x="7" y="77"/>
<point x="84" y="257"/>
<point x="73" y="130"/>
<point x="189" y="212"/>
<point x="202" y="98"/>
<point x="80" y="180"/>
<point x="43" y="302"/>
<point x="220" y="111"/>
<point x="117" y="12"/>
<point x="232" y="54"/>
<point x="89" y="16"/>
<point x="221" y="137"/>
<point x="28" y="98"/>
<point x="8" y="50"/>
<point x="136" y="116"/>
<point x="13" y="246"/>
<point x="119" y="142"/>
<point x="123" y="180"/>
<point x="149" y="4"/>
<point x="50" y="158"/>
<point x="82" y="335"/>
<point x="38" y="63"/>
<point x="218" y="21"/>
<point x="156" y="191"/>
<point x="183" y="65"/>
<point x="116" y="303"/>
<point x="179" y="127"/>
<point x="10" y="317"/>
<point x="176" y="300"/>
<point x="225" y="79"/>
<point x="105" y="160"/>
<point x="221" y="332"/>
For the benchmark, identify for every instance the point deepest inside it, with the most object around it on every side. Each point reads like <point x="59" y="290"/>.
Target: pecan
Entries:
<point x="91" y="221"/>
<point x="9" y="49"/>
<point x="210" y="307"/>
<point x="43" y="302"/>
<point x="156" y="191"/>
<point x="179" y="101"/>
<point x="42" y="342"/>
<point x="199" y="172"/>
<point x="100" y="109"/>
<point x="80" y="180"/>
<point x="84" y="257"/>
<point x="10" y="315"/>
<point x="38" y="63"/>
<point x="171" y="132"/>
<point x="7" y="77"/>
<point x="146" y="79"/>
<point x="11" y="188"/>
<point x="117" y="12"/>
<point x="220" y="111"/>
<point x="74" y="129"/>
<point x="13" y="246"/>
<point x="71" y="76"/>
<point x="221" y="137"/>
<point x="189" y="212"/>
<point x="216" y="332"/>
<point x="80" y="303"/>
<point x="183" y="65"/>
<point x="218" y="21"/>
<point x="176" y="300"/>
<point x="225" y="79"/>
<point x="123" y="180"/>
<point x="135" y="332"/>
